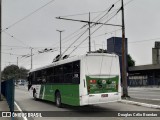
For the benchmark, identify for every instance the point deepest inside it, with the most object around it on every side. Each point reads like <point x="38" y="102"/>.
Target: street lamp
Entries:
<point x="60" y="31"/>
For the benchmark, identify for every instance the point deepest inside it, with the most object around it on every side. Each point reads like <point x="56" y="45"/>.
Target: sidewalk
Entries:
<point x="142" y="102"/>
<point x="4" y="107"/>
<point x="145" y="88"/>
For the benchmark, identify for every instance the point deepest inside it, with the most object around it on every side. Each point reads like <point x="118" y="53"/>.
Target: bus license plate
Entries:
<point x="104" y="95"/>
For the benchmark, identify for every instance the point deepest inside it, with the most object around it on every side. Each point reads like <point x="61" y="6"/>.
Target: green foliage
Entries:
<point x="131" y="62"/>
<point x="23" y="73"/>
<point x="14" y="72"/>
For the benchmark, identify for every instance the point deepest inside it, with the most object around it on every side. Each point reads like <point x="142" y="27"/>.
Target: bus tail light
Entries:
<point x="92" y="81"/>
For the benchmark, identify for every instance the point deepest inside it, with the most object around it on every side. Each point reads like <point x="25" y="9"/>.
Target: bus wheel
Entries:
<point x="34" y="95"/>
<point x="58" y="100"/>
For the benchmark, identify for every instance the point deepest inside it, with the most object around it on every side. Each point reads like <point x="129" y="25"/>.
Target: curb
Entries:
<point x="147" y="99"/>
<point x="141" y="104"/>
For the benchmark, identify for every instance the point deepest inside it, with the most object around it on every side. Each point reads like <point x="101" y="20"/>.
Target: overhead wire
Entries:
<point x="118" y="0"/>
<point x="15" y="46"/>
<point x="108" y="10"/>
<point x="4" y="30"/>
<point x="22" y="42"/>
<point x="92" y="19"/>
<point x="144" y="40"/>
<point x="92" y="33"/>
<point x="30" y="14"/>
<point x="107" y="33"/>
<point x="87" y="13"/>
<point x="83" y="25"/>
<point x="70" y="35"/>
<point x="81" y="14"/>
<point x="128" y="2"/>
<point x="11" y="54"/>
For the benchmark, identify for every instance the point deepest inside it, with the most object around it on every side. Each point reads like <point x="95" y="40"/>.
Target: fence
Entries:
<point x="7" y="90"/>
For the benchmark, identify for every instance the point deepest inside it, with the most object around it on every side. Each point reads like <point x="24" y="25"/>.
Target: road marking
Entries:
<point x="141" y="104"/>
<point x="24" y="118"/>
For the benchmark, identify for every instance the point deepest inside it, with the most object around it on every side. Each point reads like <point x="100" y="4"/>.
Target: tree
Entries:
<point x="23" y="72"/>
<point x="131" y="62"/>
<point x="14" y="72"/>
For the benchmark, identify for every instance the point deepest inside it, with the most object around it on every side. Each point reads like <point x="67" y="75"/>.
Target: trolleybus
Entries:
<point x="92" y="78"/>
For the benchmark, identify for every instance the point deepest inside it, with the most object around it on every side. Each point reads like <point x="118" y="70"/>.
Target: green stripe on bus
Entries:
<point x="69" y="93"/>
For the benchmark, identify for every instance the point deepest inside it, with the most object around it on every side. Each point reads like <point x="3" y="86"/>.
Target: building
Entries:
<point x="146" y="75"/>
<point x="156" y="53"/>
<point x="114" y="45"/>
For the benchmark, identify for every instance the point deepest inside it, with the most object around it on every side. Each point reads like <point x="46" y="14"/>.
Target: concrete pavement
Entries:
<point x="134" y="101"/>
<point x="142" y="102"/>
<point x="4" y="107"/>
<point x="144" y="96"/>
<point x="151" y="103"/>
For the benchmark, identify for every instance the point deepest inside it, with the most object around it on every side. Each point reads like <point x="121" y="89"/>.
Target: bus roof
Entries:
<point x="72" y="59"/>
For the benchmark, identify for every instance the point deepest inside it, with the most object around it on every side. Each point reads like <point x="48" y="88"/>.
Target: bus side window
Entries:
<point x="58" y="74"/>
<point x="49" y="75"/>
<point x="68" y="73"/>
<point x="44" y="79"/>
<point x="76" y="72"/>
<point x="76" y="78"/>
<point x="76" y="67"/>
<point x="32" y="78"/>
<point x="38" y="77"/>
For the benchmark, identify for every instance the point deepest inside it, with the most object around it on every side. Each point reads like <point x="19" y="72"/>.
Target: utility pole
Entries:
<point x="124" y="64"/>
<point x="31" y="57"/>
<point x="60" y="31"/>
<point x="17" y="61"/>
<point x="89" y="23"/>
<point x="0" y="45"/>
<point x="89" y="32"/>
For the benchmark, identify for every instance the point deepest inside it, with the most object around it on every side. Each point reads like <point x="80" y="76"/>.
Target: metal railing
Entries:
<point x="7" y="89"/>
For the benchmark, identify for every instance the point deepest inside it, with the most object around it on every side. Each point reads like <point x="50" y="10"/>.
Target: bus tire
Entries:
<point x="58" y="99"/>
<point x="34" y="94"/>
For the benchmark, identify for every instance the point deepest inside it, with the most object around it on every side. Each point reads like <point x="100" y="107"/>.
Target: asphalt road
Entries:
<point x="26" y="102"/>
<point x="145" y="93"/>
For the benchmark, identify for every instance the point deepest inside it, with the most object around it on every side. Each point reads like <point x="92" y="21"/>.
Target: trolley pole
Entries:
<point x="17" y="61"/>
<point x="89" y="24"/>
<point x="124" y="64"/>
<point x="0" y="46"/>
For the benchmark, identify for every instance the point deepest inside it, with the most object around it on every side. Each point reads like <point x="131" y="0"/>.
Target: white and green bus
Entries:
<point x="92" y="78"/>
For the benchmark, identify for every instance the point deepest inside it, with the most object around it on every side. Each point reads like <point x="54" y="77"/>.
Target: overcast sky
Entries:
<point x="38" y="28"/>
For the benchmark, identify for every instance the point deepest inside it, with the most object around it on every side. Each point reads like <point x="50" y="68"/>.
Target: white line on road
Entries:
<point x="24" y="118"/>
